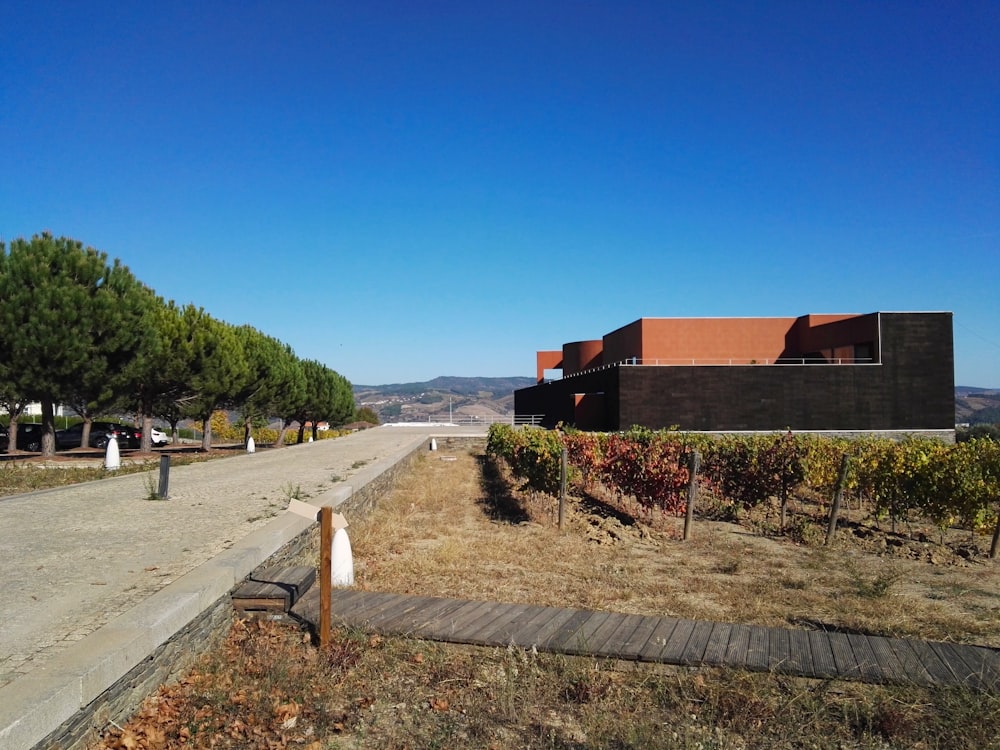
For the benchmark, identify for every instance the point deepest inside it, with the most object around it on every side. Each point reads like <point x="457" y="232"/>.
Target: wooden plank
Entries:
<point x="823" y="663"/>
<point x="893" y="669"/>
<point x="454" y="626"/>
<point x="868" y="665"/>
<point x="778" y="650"/>
<point x="343" y="601"/>
<point x="529" y="635"/>
<point x="582" y="640"/>
<point x="428" y="618"/>
<point x="568" y="631"/>
<point x="274" y="588"/>
<point x="446" y="623"/>
<point x="483" y="631"/>
<point x="910" y="662"/>
<point x="938" y="670"/>
<point x="657" y="640"/>
<point x="799" y="654"/>
<point x="671" y="653"/>
<point x="268" y="604"/>
<point x="503" y="630"/>
<point x="600" y="636"/>
<point x="952" y="656"/>
<point x="694" y="649"/>
<point x="985" y="662"/>
<point x="632" y="649"/>
<point x="616" y="641"/>
<point x="718" y="641"/>
<point x="398" y="619"/>
<point x="756" y="658"/>
<point x="542" y="635"/>
<point x="739" y="644"/>
<point x="365" y="607"/>
<point x="843" y="656"/>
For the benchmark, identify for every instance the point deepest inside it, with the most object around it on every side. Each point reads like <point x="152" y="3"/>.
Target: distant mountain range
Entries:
<point x="453" y="396"/>
<point x="441" y="398"/>
<point x="977" y="405"/>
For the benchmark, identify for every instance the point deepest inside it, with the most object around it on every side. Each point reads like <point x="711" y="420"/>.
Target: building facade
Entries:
<point x="879" y="372"/>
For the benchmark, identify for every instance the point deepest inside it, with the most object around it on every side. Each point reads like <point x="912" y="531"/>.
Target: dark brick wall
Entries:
<point x="912" y="389"/>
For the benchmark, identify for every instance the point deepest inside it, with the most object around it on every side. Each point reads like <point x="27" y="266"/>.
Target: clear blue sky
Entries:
<point x="411" y="189"/>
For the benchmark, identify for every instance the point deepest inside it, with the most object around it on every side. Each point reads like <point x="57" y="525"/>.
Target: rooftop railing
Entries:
<point x="730" y="362"/>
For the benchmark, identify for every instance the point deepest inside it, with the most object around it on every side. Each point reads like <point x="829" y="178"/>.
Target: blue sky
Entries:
<point x="409" y="189"/>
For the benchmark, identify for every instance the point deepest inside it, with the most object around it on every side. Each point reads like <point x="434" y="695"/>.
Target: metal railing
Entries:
<point x="733" y="362"/>
<point x="636" y="361"/>
<point x="485" y="420"/>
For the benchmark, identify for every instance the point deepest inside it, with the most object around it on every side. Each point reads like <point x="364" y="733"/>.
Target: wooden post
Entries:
<point x="996" y="536"/>
<point x="694" y="460"/>
<point x="837" y="497"/>
<point x="325" y="574"/>
<point x="164" y="477"/>
<point x="562" y="490"/>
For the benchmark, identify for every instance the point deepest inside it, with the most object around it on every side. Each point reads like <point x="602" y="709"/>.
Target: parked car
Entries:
<point x="29" y="437"/>
<point x="100" y="433"/>
<point x="159" y="437"/>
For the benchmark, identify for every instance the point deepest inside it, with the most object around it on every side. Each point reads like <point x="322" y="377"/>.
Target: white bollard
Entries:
<point x="341" y="560"/>
<point x="112" y="459"/>
<point x="251" y="446"/>
<point x="434" y="444"/>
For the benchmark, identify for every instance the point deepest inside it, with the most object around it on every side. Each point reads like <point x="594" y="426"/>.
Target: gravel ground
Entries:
<point x="74" y="558"/>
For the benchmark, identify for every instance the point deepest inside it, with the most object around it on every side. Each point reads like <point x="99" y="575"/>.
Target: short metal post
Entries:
<point x="164" y="477"/>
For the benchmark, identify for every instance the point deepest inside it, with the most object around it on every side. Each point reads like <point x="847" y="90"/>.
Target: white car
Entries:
<point x="158" y="437"/>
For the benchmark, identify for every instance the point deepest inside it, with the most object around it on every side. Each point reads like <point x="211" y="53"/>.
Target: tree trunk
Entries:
<point x="285" y="424"/>
<point x="48" y="429"/>
<point x="146" y="444"/>
<point x="206" y="435"/>
<point x="85" y="432"/>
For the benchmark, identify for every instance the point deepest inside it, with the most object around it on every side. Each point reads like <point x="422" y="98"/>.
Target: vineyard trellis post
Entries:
<point x="837" y="497"/>
<point x="562" y="488"/>
<point x="694" y="461"/>
<point x="996" y="536"/>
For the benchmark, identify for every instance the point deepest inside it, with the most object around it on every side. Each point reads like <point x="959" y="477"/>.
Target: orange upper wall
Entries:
<point x="549" y="360"/>
<point x="719" y="340"/>
<point x="582" y="355"/>
<point x="699" y="339"/>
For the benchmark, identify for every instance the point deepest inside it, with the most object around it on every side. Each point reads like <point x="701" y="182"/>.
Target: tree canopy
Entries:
<point x="80" y="330"/>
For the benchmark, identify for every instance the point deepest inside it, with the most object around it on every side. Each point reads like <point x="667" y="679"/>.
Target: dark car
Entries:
<point x="29" y="437"/>
<point x="100" y="434"/>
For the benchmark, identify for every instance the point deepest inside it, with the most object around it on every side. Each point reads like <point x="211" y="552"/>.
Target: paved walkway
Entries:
<point x="75" y="558"/>
<point x="665" y="640"/>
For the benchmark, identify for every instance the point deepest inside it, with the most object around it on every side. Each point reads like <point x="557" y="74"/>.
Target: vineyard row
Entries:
<point x="947" y="484"/>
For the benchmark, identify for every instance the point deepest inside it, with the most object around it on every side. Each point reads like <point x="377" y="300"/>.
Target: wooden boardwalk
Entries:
<point x="666" y="640"/>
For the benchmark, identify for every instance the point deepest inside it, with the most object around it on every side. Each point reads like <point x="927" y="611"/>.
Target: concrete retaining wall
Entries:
<point x="107" y="675"/>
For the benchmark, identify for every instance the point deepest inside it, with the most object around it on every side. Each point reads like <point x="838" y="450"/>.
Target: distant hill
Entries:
<point x="417" y="402"/>
<point x="977" y="405"/>
<point x="441" y="397"/>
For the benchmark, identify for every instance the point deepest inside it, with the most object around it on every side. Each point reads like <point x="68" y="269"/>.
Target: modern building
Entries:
<point x="879" y="372"/>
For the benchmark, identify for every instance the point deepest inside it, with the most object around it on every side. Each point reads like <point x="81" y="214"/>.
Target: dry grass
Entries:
<point x="454" y="528"/>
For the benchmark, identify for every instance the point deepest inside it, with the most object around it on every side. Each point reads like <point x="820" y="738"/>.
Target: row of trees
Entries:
<point x="79" y="330"/>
